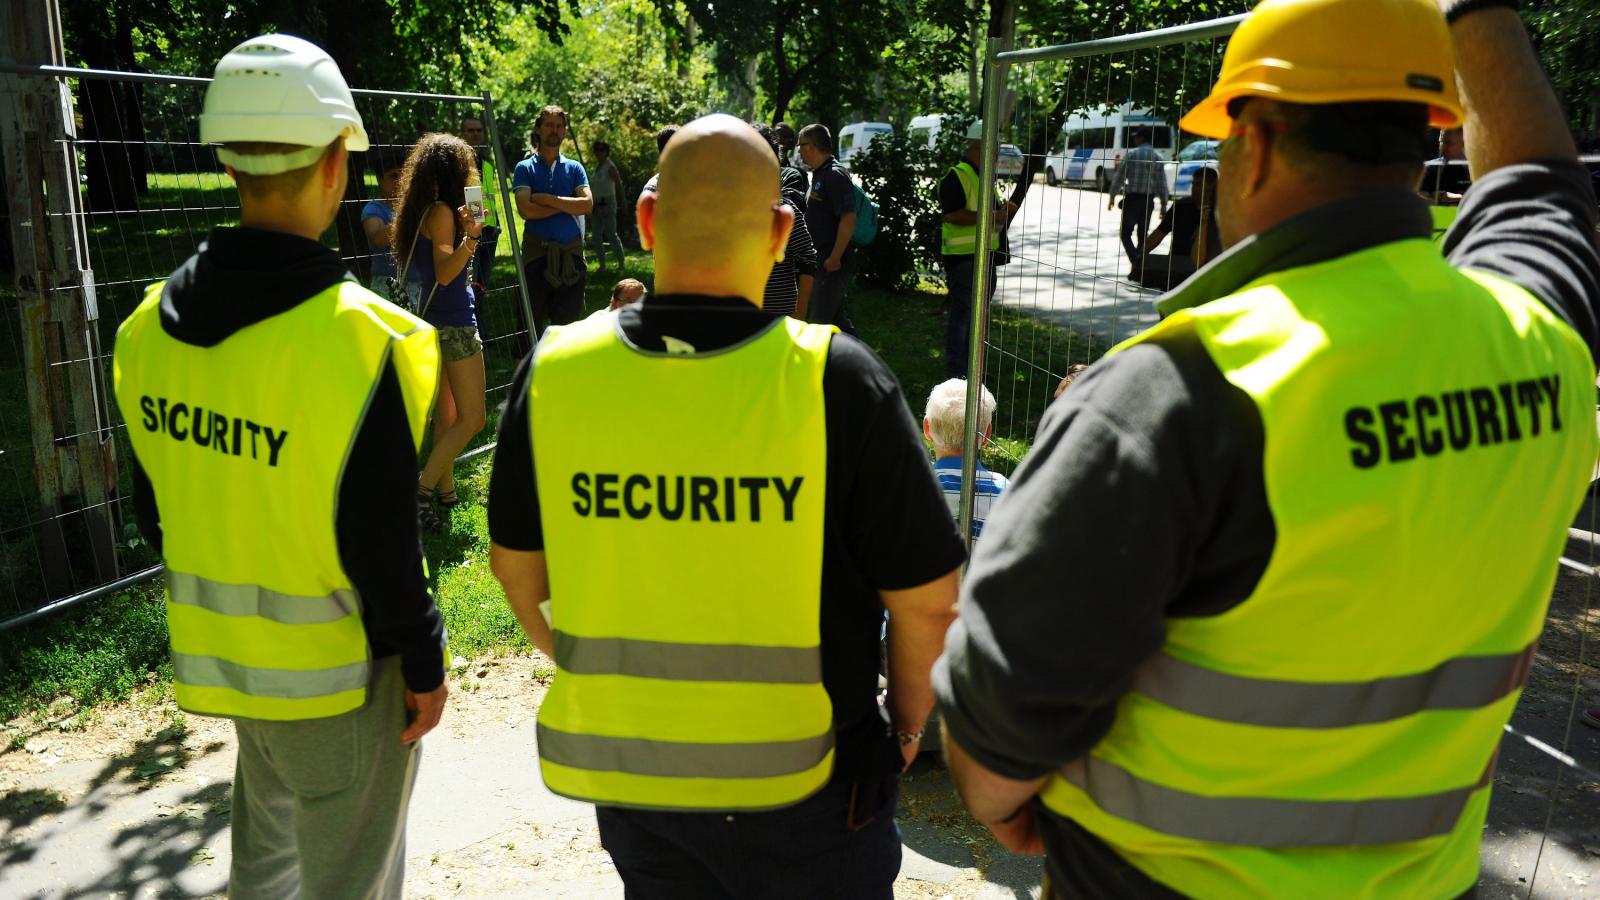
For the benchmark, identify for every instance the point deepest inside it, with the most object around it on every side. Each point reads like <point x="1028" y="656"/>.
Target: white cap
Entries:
<point x="975" y="130"/>
<point x="282" y="90"/>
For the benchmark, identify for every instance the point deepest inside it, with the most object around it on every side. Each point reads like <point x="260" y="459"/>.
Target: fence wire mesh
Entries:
<point x="1074" y="287"/>
<point x="148" y="193"/>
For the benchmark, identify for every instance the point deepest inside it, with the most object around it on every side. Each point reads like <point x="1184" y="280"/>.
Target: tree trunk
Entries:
<point x="339" y="26"/>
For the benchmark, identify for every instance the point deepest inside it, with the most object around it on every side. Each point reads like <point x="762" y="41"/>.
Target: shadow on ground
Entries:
<point x="76" y="853"/>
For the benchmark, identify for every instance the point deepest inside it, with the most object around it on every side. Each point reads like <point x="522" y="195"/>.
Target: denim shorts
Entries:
<point x="458" y="342"/>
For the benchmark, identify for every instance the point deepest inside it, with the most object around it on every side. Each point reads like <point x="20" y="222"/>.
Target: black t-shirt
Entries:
<point x="832" y="197"/>
<point x="886" y="526"/>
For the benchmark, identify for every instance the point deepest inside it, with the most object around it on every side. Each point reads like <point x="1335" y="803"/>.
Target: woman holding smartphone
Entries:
<point x="434" y="219"/>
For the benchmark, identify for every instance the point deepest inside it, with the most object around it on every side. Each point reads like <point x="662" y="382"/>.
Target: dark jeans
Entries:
<point x="958" y="322"/>
<point x="842" y="843"/>
<point x="1135" y="217"/>
<point x="827" y="296"/>
<point x="552" y="304"/>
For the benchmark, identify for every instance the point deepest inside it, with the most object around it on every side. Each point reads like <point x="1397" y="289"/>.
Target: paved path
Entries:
<point x="150" y="818"/>
<point x="1069" y="266"/>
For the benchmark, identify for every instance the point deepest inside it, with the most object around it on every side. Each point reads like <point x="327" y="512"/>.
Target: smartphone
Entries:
<point x="475" y="201"/>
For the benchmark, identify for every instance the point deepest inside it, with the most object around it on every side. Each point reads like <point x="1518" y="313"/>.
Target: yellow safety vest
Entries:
<point x="682" y="502"/>
<point x="961" y="240"/>
<point x="1443" y="218"/>
<point x="491" y="194"/>
<point x="1428" y="436"/>
<point x="245" y="444"/>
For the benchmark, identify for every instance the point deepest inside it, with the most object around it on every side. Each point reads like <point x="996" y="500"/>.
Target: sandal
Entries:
<point x="427" y="519"/>
<point x="447" y="499"/>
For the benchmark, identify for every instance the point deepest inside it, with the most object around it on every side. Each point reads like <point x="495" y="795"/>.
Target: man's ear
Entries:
<point x="645" y="215"/>
<point x="333" y="161"/>
<point x="782" y="224"/>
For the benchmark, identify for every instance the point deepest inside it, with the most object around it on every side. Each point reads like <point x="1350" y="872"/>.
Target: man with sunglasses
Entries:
<point x="1252" y="614"/>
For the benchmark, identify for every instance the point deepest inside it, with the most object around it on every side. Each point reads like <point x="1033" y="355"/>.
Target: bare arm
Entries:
<point x="1000" y="803"/>
<point x="918" y="619"/>
<point x="1512" y="114"/>
<point x="841" y="239"/>
<point x="526" y="581"/>
<point x="379" y="235"/>
<point x="580" y="205"/>
<point x="448" y="259"/>
<point x="530" y="210"/>
<point x="802" y="301"/>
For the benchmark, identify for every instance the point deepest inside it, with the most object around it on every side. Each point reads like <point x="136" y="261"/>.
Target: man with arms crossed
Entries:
<point x="551" y="192"/>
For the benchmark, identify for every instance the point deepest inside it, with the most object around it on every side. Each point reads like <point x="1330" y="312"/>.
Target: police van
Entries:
<point x="1092" y="144"/>
<point x="855" y="137"/>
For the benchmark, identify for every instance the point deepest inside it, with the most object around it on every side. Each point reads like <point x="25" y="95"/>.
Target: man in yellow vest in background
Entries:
<point x="275" y="409"/>
<point x="1253" y="612"/>
<point x="958" y="243"/>
<point x="719" y="504"/>
<point x="475" y="134"/>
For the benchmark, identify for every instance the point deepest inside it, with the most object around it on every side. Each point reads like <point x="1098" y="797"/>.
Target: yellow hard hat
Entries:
<point x="1336" y="51"/>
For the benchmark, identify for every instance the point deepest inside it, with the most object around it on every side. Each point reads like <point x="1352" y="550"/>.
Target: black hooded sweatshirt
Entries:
<point x="241" y="276"/>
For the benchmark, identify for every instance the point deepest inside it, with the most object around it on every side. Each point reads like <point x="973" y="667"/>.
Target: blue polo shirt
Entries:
<point x="563" y="180"/>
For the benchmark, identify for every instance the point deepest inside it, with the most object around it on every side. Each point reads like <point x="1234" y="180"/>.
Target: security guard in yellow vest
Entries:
<point x="275" y="408"/>
<point x="958" y="242"/>
<point x="1252" y="615"/>
<point x="719" y="504"/>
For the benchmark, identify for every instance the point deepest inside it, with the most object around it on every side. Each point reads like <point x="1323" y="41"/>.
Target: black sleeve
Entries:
<point x="380" y="545"/>
<point x="145" y="513"/>
<point x="801" y="251"/>
<point x="1534" y="224"/>
<point x="952" y="196"/>
<point x="894" y="516"/>
<point x="513" y="494"/>
<point x="840" y="193"/>
<point x="1142" y="498"/>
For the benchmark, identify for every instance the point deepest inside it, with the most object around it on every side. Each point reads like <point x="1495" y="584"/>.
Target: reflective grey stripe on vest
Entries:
<point x="688" y="662"/>
<point x="677" y="759"/>
<point x="1265" y="822"/>
<point x="254" y="600"/>
<point x="290" y="684"/>
<point x="1468" y="682"/>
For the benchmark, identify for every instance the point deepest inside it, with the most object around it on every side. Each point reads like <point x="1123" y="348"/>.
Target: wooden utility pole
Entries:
<point x="74" y="459"/>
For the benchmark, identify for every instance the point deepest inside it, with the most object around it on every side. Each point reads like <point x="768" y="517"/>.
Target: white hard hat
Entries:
<point x="975" y="130"/>
<point x="282" y="90"/>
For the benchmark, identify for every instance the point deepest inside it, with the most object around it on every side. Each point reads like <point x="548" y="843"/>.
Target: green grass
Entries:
<point x="94" y="654"/>
<point x="100" y="653"/>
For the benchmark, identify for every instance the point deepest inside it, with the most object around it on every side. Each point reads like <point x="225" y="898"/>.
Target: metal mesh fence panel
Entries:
<point x="1084" y="273"/>
<point x="148" y="193"/>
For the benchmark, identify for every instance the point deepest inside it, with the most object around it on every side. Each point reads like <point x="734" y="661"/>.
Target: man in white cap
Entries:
<point x="275" y="408"/>
<point x="958" y="243"/>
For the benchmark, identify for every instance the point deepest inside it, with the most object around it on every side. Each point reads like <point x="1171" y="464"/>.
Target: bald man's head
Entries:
<point x="715" y="221"/>
<point x="717" y="189"/>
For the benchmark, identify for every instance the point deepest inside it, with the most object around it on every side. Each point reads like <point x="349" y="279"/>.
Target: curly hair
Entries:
<point x="438" y="170"/>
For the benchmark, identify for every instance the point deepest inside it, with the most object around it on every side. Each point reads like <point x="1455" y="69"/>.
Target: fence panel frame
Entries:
<point x="64" y="313"/>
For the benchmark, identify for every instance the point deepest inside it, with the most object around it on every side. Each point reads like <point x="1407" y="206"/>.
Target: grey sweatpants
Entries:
<point x="319" y="806"/>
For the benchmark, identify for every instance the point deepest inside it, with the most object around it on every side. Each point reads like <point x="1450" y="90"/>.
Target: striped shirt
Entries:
<point x="984" y="494"/>
<point x="1142" y="172"/>
<point x="799" y="258"/>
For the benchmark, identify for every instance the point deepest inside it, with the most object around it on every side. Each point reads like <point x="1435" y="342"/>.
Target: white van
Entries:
<point x="1092" y="144"/>
<point x="924" y="130"/>
<point x="855" y="137"/>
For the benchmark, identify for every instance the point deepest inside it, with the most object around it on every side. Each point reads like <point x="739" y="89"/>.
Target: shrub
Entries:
<point x="903" y="177"/>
